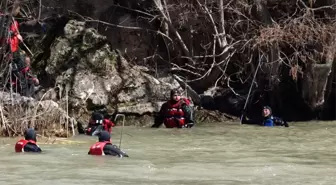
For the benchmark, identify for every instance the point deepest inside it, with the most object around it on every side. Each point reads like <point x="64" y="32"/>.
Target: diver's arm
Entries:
<point x="280" y="122"/>
<point x="158" y="120"/>
<point x="113" y="150"/>
<point x="250" y="121"/>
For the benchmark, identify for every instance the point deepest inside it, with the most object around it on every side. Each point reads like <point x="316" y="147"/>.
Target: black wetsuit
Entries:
<point x="31" y="147"/>
<point x="111" y="149"/>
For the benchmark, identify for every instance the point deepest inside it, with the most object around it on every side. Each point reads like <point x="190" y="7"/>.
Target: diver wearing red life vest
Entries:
<point x="105" y="147"/>
<point x="175" y="113"/>
<point x="29" y="143"/>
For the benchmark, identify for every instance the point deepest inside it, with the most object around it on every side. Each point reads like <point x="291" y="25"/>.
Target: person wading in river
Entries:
<point x="29" y="143"/>
<point x="105" y="147"/>
<point x="175" y="113"/>
<point x="98" y="123"/>
<point x="267" y="120"/>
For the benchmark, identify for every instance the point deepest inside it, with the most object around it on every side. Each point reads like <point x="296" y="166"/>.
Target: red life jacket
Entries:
<point x="175" y="114"/>
<point x="13" y="41"/>
<point x="98" y="148"/>
<point x="107" y="124"/>
<point x="19" y="146"/>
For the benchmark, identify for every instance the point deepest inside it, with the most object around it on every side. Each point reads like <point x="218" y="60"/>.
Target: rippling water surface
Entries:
<point x="304" y="153"/>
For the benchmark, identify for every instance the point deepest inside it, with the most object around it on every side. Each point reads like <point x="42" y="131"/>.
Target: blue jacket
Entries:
<point x="274" y="121"/>
<point x="269" y="121"/>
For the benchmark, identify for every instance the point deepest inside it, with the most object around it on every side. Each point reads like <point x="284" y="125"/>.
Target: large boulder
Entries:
<point x="93" y="75"/>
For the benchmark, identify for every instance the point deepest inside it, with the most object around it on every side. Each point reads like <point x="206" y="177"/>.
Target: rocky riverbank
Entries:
<point x="82" y="74"/>
<point x="125" y="56"/>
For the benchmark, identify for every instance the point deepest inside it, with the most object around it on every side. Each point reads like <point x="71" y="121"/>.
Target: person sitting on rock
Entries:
<point x="29" y="143"/>
<point x="267" y="120"/>
<point x="98" y="123"/>
<point x="175" y="113"/>
<point x="105" y="147"/>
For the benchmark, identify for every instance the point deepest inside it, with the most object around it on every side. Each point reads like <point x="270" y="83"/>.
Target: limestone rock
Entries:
<point x="92" y="73"/>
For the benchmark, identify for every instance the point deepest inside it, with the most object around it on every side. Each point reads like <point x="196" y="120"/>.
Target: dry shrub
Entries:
<point x="295" y="33"/>
<point x="17" y="118"/>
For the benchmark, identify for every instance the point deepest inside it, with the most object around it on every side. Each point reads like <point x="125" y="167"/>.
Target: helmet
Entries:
<point x="30" y="134"/>
<point x="104" y="136"/>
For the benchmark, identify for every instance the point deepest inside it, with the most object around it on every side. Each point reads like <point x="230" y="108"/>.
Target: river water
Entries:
<point x="223" y="155"/>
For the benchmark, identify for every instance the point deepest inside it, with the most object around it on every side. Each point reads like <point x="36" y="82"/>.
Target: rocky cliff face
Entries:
<point x="306" y="91"/>
<point x="90" y="75"/>
<point x="83" y="64"/>
<point x="101" y="66"/>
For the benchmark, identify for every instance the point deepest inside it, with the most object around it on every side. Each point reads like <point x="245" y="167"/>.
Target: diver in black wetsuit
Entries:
<point x="29" y="143"/>
<point x="105" y="147"/>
